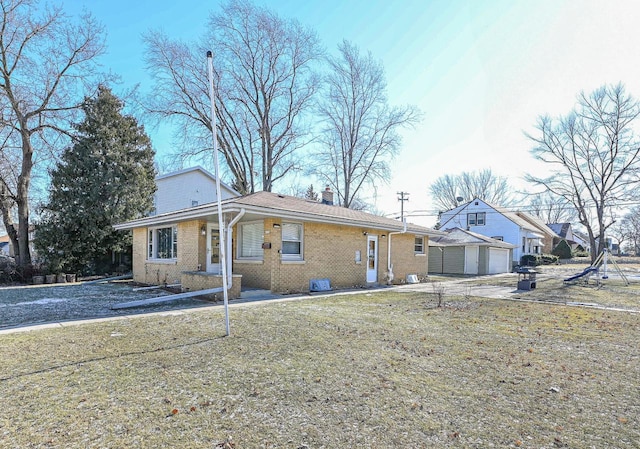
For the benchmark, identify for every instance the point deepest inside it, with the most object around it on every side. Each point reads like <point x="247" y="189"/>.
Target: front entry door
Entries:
<point x="372" y="258"/>
<point x="213" y="248"/>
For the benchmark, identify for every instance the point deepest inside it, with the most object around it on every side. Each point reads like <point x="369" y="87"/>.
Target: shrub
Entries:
<point x="549" y="259"/>
<point x="533" y="260"/>
<point x="562" y="250"/>
<point x="530" y="260"/>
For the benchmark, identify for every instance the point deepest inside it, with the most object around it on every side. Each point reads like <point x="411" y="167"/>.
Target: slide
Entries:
<point x="587" y="271"/>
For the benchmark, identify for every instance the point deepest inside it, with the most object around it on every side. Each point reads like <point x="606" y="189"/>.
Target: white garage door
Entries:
<point x="499" y="261"/>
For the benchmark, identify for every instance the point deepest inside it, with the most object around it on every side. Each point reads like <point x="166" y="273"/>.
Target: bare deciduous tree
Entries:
<point x="551" y="208"/>
<point x="628" y="230"/>
<point x="265" y="84"/>
<point x="482" y="184"/>
<point x="46" y="60"/>
<point x="361" y="130"/>
<point x="594" y="157"/>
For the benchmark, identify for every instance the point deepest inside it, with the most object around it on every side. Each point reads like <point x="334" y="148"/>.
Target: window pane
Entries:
<point x="291" y="248"/>
<point x="292" y="239"/>
<point x="164" y="239"/>
<point x="150" y="247"/>
<point x="251" y="240"/>
<point x="174" y="245"/>
<point x="291" y="231"/>
<point x="419" y="245"/>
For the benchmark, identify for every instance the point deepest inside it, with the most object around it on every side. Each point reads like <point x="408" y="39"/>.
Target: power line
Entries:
<point x="404" y="196"/>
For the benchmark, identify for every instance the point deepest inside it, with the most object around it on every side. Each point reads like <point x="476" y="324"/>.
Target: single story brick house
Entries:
<point x="278" y="243"/>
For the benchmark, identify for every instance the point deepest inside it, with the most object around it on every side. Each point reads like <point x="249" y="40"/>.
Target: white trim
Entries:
<point x="152" y="246"/>
<point x="241" y="225"/>
<point x="372" y="273"/>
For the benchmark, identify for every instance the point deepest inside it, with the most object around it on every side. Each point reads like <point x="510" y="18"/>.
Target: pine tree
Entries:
<point x="311" y="194"/>
<point x="106" y="177"/>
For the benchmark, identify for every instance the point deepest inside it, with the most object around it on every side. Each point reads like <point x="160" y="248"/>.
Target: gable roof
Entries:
<point x="200" y="169"/>
<point x="560" y="228"/>
<point x="268" y="204"/>
<point x="538" y="223"/>
<point x="462" y="237"/>
<point x="522" y="219"/>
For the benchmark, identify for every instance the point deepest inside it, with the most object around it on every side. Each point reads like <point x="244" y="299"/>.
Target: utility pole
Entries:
<point x="403" y="196"/>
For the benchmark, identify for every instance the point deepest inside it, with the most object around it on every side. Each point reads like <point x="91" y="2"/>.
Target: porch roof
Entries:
<point x="267" y="204"/>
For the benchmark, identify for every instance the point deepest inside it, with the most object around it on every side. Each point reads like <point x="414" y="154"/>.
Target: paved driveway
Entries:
<point x="466" y="287"/>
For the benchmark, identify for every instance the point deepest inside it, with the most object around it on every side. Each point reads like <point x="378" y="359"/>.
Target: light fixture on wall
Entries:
<point x="384" y="236"/>
<point x="276" y="225"/>
<point x="203" y="230"/>
<point x="365" y="233"/>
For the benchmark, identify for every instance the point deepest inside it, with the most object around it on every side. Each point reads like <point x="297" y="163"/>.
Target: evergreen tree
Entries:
<point x="106" y="177"/>
<point x="311" y="194"/>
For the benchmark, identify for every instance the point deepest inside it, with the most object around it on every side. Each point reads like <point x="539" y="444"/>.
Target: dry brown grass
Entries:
<point x="377" y="370"/>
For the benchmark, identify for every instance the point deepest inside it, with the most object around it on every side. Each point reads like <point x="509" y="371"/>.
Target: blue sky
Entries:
<point x="480" y="71"/>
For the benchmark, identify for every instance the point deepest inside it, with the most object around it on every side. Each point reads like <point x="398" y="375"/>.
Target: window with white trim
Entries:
<point x="418" y="247"/>
<point x="292" y="241"/>
<point x="250" y="239"/>
<point x="476" y="219"/>
<point x="163" y="243"/>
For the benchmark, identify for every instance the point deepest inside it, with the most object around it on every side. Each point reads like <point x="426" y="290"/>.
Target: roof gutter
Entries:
<point x="389" y="264"/>
<point x="229" y="260"/>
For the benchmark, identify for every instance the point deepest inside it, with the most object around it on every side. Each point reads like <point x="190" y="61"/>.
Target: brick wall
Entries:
<point x="329" y="252"/>
<point x="199" y="280"/>
<point x="191" y="253"/>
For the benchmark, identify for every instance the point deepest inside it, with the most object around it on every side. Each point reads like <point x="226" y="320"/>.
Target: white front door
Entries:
<point x="372" y="258"/>
<point x="213" y="248"/>
<point x="471" y="259"/>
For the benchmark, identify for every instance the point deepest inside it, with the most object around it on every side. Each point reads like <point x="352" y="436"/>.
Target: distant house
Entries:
<point x="528" y="234"/>
<point x="565" y="232"/>
<point x="187" y="188"/>
<point x="465" y="252"/>
<point x="5" y="245"/>
<point x="276" y="242"/>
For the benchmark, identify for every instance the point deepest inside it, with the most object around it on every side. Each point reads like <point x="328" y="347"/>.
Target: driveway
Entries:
<point x="467" y="286"/>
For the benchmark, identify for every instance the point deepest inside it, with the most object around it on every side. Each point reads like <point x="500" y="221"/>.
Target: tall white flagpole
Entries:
<point x="223" y="259"/>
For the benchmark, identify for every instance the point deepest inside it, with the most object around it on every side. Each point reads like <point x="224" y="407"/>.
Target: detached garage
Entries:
<point x="465" y="252"/>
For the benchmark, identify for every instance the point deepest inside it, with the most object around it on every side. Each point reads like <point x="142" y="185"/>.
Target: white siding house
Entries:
<point x="498" y="223"/>
<point x="187" y="188"/>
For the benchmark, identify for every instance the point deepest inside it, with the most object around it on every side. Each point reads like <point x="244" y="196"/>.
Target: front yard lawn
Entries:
<point x="377" y="370"/>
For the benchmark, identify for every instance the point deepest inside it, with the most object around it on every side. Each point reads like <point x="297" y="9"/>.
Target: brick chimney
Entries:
<point x="327" y="196"/>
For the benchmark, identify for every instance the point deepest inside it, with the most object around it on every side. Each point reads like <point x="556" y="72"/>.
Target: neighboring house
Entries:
<point x="527" y="233"/>
<point x="6" y="247"/>
<point x="5" y="244"/>
<point x="275" y="242"/>
<point x="466" y="252"/>
<point x="582" y="241"/>
<point x="549" y="237"/>
<point x="565" y="232"/>
<point x="187" y="188"/>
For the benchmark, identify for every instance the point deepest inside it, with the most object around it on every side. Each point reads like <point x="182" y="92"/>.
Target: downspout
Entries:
<point x="389" y="264"/>
<point x="229" y="260"/>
